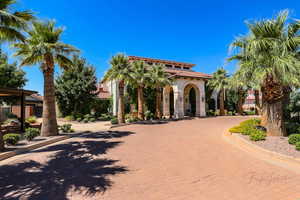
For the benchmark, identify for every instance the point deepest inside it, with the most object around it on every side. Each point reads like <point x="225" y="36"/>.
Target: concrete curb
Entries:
<point x="272" y="157"/>
<point x="10" y="154"/>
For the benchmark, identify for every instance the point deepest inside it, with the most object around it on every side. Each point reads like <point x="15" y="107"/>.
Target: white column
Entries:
<point x="166" y="102"/>
<point x="178" y="99"/>
<point x="202" y="99"/>
<point x="115" y="95"/>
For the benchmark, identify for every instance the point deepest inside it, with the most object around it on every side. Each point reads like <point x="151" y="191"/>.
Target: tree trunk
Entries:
<point x="140" y="103"/>
<point x="258" y="106"/>
<point x="121" y="117"/>
<point x="275" y="121"/>
<point x="240" y="102"/>
<point x="49" y="125"/>
<point x="158" y="103"/>
<point x="222" y="109"/>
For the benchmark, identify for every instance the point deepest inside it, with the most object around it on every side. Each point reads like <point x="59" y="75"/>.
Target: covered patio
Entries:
<point x="20" y="94"/>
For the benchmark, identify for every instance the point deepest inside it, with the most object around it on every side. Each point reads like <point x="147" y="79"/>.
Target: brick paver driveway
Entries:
<point x="181" y="160"/>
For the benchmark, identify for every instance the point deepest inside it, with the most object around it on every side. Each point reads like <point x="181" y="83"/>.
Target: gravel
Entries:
<point x="276" y="144"/>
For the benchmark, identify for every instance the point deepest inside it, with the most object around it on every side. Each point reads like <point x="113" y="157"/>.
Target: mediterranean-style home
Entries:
<point x="184" y="97"/>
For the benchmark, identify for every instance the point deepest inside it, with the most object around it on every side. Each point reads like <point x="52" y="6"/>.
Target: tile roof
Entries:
<point x="189" y="65"/>
<point x="185" y="73"/>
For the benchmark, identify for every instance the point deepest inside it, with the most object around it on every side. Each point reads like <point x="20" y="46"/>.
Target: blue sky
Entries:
<point x="195" y="31"/>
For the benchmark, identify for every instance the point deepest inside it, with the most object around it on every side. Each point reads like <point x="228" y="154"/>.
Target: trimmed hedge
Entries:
<point x="298" y="146"/>
<point x="11" y="138"/>
<point x="257" y="135"/>
<point x="294" y="138"/>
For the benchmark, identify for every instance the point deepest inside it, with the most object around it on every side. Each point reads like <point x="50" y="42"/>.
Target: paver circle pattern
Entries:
<point x="183" y="160"/>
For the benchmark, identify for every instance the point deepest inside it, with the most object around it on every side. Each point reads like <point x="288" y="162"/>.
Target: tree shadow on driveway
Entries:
<point x="75" y="165"/>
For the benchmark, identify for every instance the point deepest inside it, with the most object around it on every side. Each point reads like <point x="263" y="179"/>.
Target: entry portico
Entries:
<point x="184" y="97"/>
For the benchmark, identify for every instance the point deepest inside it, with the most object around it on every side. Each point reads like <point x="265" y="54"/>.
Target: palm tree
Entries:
<point x="270" y="59"/>
<point x="13" y="23"/>
<point x="120" y="71"/>
<point x="219" y="81"/>
<point x="140" y="79"/>
<point x="241" y="88"/>
<point x="159" y="79"/>
<point x="43" y="47"/>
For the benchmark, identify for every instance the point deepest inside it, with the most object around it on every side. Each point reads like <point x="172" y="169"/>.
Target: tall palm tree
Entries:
<point x="219" y="81"/>
<point x="140" y="79"/>
<point x="13" y="23"/>
<point x="159" y="79"/>
<point x="270" y="59"/>
<point x="120" y="71"/>
<point x="43" y="47"/>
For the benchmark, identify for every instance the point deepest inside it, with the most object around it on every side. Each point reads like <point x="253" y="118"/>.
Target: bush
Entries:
<point x="31" y="133"/>
<point x="105" y="117"/>
<point x="92" y="119"/>
<point x="79" y="119"/>
<point x="11" y="116"/>
<point x="114" y="120"/>
<point x="257" y="135"/>
<point x="148" y="115"/>
<point x="292" y="127"/>
<point x="66" y="128"/>
<point x="69" y="118"/>
<point x="251" y="122"/>
<point x="298" y="146"/>
<point x="236" y="129"/>
<point x="31" y="120"/>
<point x="85" y="120"/>
<point x="11" y="138"/>
<point x="294" y="138"/>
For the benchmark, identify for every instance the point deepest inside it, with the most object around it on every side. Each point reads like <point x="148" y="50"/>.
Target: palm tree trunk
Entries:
<point x="258" y="106"/>
<point x="140" y="103"/>
<point x="158" y="103"/>
<point x="275" y="121"/>
<point x="240" y="102"/>
<point x="121" y="117"/>
<point x="49" y="125"/>
<point x="222" y="108"/>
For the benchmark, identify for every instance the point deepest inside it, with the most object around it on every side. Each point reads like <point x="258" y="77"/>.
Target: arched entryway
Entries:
<point x="171" y="97"/>
<point x="191" y="100"/>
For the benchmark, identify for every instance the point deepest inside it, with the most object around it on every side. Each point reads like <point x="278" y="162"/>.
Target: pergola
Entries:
<point x="21" y="94"/>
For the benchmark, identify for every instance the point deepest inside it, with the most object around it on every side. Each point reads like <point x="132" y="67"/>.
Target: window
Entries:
<point x="169" y="66"/>
<point x="177" y="67"/>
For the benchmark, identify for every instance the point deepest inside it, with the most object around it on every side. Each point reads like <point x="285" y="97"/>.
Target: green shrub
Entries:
<point x="105" y="117"/>
<point x="69" y="118"/>
<point x="11" y="138"/>
<point x="236" y="129"/>
<point x="79" y="119"/>
<point x="257" y="135"/>
<point x="298" y="146"/>
<point x="114" y="120"/>
<point x="148" y="115"/>
<point x="251" y="122"/>
<point x="31" y="120"/>
<point x="66" y="128"/>
<point x="294" y="138"/>
<point x="292" y="127"/>
<point x="92" y="119"/>
<point x="31" y="133"/>
<point x="85" y="120"/>
<point x="250" y="112"/>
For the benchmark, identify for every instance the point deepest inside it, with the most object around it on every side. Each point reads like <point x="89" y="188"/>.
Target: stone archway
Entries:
<point x="191" y="100"/>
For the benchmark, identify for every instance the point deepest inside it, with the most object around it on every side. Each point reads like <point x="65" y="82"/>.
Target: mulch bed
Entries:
<point x="276" y="144"/>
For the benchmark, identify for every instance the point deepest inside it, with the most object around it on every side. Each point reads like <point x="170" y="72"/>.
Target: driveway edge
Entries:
<point x="10" y="154"/>
<point x="272" y="157"/>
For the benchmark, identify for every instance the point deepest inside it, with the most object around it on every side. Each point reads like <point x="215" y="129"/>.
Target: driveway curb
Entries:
<point x="10" y="154"/>
<point x="272" y="157"/>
